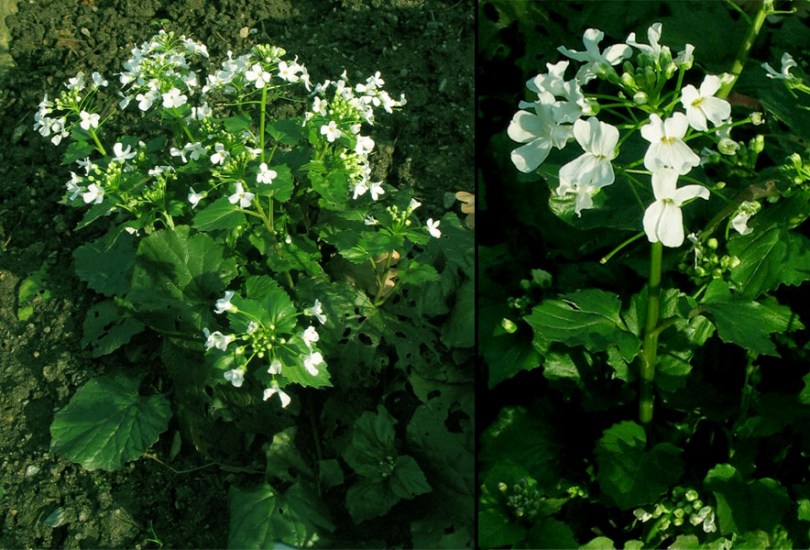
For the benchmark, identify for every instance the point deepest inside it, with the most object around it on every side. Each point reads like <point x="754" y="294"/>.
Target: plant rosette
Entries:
<point x="293" y="189"/>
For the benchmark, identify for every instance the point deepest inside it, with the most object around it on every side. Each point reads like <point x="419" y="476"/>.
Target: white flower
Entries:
<point x="241" y="196"/>
<point x="94" y="194"/>
<point x="258" y="76"/>
<point x="360" y="189"/>
<point x="235" y="377"/>
<point x="73" y="186"/>
<point x="595" y="62"/>
<point x="194" y="198"/>
<point x="274" y="389"/>
<point x="370" y="220"/>
<point x="265" y="175"/>
<point x="88" y="120"/>
<point x="310" y="336"/>
<point x="217" y="340"/>
<point x="252" y="326"/>
<point x="539" y="131"/>
<point x="331" y="131"/>
<point x="787" y="63"/>
<point x="275" y="367"/>
<point x="146" y="100"/>
<point x="317" y="311"/>
<point x="667" y="149"/>
<point x="663" y="219"/>
<point x="364" y="145"/>
<point x="224" y="304"/>
<point x="583" y="191"/>
<point x="744" y="213"/>
<point x="686" y="57"/>
<point x="376" y="189"/>
<point x="413" y="205"/>
<point x="122" y="155"/>
<point x="654" y="49"/>
<point x="173" y="98"/>
<point x="701" y="105"/>
<point x="288" y="72"/>
<point x="220" y="154"/>
<point x="433" y="228"/>
<point x="312" y="361"/>
<point x="98" y="80"/>
<point x="593" y="168"/>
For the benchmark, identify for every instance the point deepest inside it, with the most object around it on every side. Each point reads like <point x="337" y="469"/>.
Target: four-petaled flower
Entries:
<point x="235" y="377"/>
<point x="121" y="154"/>
<point x="663" y="219"/>
<point x="241" y="196"/>
<point x="94" y="194"/>
<point x="375" y="190"/>
<point x="173" y="98"/>
<point x="224" y="304"/>
<point x="701" y="105"/>
<point x="258" y="75"/>
<point x="331" y="131"/>
<point x="265" y="175"/>
<point x="310" y="336"/>
<point x="539" y="132"/>
<point x="194" y="198"/>
<point x="317" y="311"/>
<point x="787" y="63"/>
<point x="433" y="228"/>
<point x="592" y="168"/>
<point x="273" y="390"/>
<point x="312" y="361"/>
<point x="595" y="62"/>
<point x="654" y="49"/>
<point x="217" y="340"/>
<point x="88" y="120"/>
<point x="220" y="154"/>
<point x="667" y="149"/>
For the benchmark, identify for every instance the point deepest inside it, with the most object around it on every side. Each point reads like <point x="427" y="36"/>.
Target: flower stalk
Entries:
<point x="649" y="346"/>
<point x="765" y="9"/>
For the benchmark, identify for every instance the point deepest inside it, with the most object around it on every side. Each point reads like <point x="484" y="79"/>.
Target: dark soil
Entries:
<point x="423" y="48"/>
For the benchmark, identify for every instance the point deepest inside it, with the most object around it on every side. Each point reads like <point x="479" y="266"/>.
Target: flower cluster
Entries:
<point x="167" y="78"/>
<point x="564" y="110"/>
<point x="684" y="505"/>
<point x="265" y="339"/>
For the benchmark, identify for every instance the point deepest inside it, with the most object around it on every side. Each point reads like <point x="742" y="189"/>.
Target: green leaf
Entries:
<point x="106" y="328"/>
<point x="330" y="474"/>
<point x="631" y="475"/>
<point x="745" y="506"/>
<point x="106" y="263"/>
<point x="220" y="214"/>
<point x="769" y="258"/>
<point x="262" y="518"/>
<point x="551" y="533"/>
<point x="107" y="423"/>
<point x="408" y="480"/>
<point x="588" y="317"/>
<point x="31" y="291"/>
<point x="283" y="456"/>
<point x="686" y="542"/>
<point x="459" y="329"/>
<point x="286" y="131"/>
<point x="495" y="529"/>
<point x="748" y="323"/>
<point x="237" y="123"/>
<point x="177" y="278"/>
<point x="804" y="509"/>
<point x="369" y="499"/>
<point x="599" y="543"/>
<point x="372" y="440"/>
<point x="507" y="355"/>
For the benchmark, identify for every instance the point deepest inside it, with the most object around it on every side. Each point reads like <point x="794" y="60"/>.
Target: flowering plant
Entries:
<point x="658" y="213"/>
<point x="246" y="227"/>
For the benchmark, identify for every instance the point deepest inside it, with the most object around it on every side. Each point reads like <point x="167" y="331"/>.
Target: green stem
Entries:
<point x="764" y="10"/>
<point x="99" y="146"/>
<point x="649" y="346"/>
<point x="382" y="279"/>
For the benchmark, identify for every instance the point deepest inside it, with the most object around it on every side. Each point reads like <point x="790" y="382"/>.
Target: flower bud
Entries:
<point x="508" y="325"/>
<point x="628" y="81"/>
<point x="502" y="487"/>
<point x="641" y="98"/>
<point x="757" y="144"/>
<point x="649" y="77"/>
<point x="728" y="146"/>
<point x="757" y="118"/>
<point x="713" y="244"/>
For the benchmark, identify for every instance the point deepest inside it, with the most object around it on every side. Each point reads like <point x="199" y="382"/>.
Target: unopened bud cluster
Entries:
<point x="708" y="263"/>
<point x="684" y="505"/>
